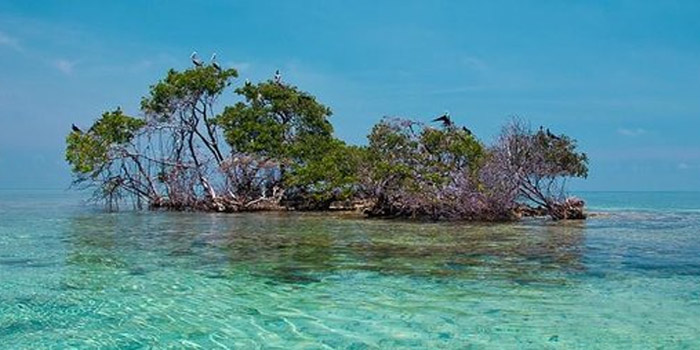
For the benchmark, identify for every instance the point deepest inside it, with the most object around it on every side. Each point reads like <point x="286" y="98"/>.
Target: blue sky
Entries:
<point x="622" y="77"/>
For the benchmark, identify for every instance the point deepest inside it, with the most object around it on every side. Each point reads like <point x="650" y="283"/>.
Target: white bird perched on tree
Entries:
<point x="214" y="63"/>
<point x="278" y="77"/>
<point x="196" y="61"/>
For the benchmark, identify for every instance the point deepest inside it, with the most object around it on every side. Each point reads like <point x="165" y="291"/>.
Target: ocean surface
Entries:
<point x="75" y="277"/>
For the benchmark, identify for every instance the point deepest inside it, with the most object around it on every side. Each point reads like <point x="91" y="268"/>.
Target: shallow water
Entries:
<point x="73" y="277"/>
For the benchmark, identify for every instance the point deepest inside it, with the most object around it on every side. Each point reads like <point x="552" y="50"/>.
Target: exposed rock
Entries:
<point x="524" y="210"/>
<point x="571" y="209"/>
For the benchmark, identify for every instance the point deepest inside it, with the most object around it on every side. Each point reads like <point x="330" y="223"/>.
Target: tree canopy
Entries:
<point x="275" y="149"/>
<point x="273" y="120"/>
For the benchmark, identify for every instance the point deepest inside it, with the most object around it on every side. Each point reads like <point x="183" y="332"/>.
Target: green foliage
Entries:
<point x="389" y="150"/>
<point x="115" y="127"/>
<point x="89" y="151"/>
<point x="328" y="171"/>
<point x="84" y="152"/>
<point x="280" y="122"/>
<point x="283" y="152"/>
<point x="560" y="155"/>
<point x="403" y="154"/>
<point x="185" y="89"/>
<point x="451" y="148"/>
<point x="273" y="120"/>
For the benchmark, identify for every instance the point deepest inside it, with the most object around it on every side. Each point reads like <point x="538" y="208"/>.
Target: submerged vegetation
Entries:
<point x="275" y="150"/>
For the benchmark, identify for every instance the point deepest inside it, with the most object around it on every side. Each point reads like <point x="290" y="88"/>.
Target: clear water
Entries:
<point x="72" y="277"/>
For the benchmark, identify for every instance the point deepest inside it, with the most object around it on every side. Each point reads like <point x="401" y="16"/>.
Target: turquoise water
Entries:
<point x="73" y="277"/>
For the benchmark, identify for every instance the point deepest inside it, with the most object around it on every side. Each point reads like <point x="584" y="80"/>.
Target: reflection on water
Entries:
<point x="303" y="248"/>
<point x="78" y="279"/>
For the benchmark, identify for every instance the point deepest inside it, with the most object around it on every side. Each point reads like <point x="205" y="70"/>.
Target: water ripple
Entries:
<point x="91" y="280"/>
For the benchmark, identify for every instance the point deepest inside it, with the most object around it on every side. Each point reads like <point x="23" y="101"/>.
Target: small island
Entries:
<point x="274" y="149"/>
<point x="355" y="175"/>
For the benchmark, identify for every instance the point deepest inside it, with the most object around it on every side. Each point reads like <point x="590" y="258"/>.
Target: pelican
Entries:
<point x="278" y="77"/>
<point x="196" y="61"/>
<point x="76" y="129"/>
<point x="445" y="119"/>
<point x="214" y="63"/>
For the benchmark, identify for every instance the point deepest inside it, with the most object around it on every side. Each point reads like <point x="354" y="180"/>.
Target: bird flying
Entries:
<point x="445" y="119"/>
<point x="196" y="61"/>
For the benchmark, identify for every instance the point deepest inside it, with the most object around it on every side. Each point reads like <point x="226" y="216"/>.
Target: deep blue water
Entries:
<point x="74" y="277"/>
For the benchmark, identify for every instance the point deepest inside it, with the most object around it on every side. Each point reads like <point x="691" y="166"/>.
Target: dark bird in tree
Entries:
<point x="445" y="119"/>
<point x="76" y="129"/>
<point x="196" y="61"/>
<point x="247" y="81"/>
<point x="469" y="132"/>
<point x="278" y="77"/>
<point x="214" y="63"/>
<point x="551" y="135"/>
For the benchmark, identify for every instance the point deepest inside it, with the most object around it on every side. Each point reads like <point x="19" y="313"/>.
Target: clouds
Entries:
<point x="35" y="53"/>
<point x="625" y="98"/>
<point x="631" y="132"/>
<point x="683" y="166"/>
<point x="659" y="153"/>
<point x="474" y="63"/>
<point x="9" y="41"/>
<point x="65" y="66"/>
<point x="44" y="45"/>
